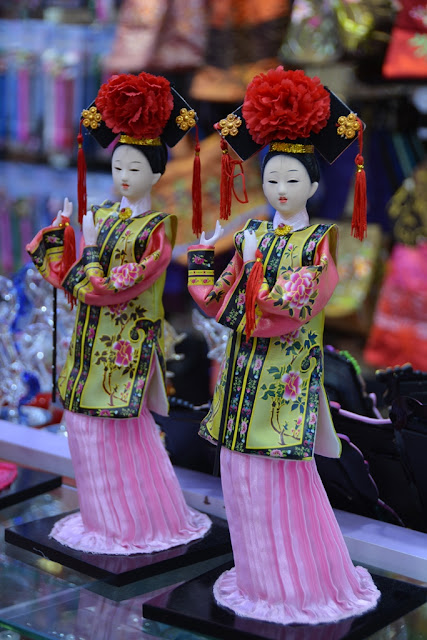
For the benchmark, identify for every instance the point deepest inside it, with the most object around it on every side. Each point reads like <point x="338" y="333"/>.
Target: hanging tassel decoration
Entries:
<point x="69" y="254"/>
<point x="197" y="189"/>
<point x="252" y="288"/>
<point x="81" y="178"/>
<point x="227" y="170"/>
<point x="227" y="182"/>
<point x="359" y="219"/>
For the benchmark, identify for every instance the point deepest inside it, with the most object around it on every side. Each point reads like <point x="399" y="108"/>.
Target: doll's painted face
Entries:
<point x="132" y="174"/>
<point x="287" y="185"/>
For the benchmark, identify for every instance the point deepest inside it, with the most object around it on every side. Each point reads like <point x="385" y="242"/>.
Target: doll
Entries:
<point x="269" y="411"/>
<point x="114" y="375"/>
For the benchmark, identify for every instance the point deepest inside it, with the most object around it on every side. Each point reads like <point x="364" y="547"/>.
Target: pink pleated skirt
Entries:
<point x="129" y="496"/>
<point x="291" y="561"/>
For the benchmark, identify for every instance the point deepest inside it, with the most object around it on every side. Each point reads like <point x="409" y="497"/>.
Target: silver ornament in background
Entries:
<point x="214" y="333"/>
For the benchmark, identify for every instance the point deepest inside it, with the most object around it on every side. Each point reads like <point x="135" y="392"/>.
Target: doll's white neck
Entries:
<point x="297" y="221"/>
<point x="138" y="207"/>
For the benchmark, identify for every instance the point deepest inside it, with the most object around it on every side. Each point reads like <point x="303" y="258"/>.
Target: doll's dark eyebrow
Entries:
<point x="289" y="171"/>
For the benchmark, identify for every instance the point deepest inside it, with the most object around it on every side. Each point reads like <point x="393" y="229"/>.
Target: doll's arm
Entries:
<point x="225" y="298"/>
<point x="208" y="294"/>
<point x="298" y="294"/>
<point x="123" y="282"/>
<point x="47" y="247"/>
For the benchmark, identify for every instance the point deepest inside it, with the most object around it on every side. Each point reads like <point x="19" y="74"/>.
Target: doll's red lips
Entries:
<point x="283" y="199"/>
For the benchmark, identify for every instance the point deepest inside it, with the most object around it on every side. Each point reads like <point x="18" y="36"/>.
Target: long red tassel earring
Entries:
<point x="359" y="219"/>
<point x="227" y="169"/>
<point x="81" y="178"/>
<point x="197" y="189"/>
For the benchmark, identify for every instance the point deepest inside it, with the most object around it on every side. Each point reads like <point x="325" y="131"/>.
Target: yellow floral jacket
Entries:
<point x="269" y="398"/>
<point x="115" y="361"/>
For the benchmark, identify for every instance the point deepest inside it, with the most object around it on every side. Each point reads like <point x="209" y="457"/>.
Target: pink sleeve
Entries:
<point x="124" y="282"/>
<point x="298" y="294"/>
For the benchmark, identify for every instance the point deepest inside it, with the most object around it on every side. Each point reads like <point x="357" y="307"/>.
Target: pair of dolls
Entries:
<point x="269" y="412"/>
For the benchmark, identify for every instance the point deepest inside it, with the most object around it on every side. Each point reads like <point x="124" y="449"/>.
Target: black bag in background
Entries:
<point x="358" y="481"/>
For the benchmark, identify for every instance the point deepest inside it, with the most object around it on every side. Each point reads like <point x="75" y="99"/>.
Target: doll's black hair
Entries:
<point x="157" y="156"/>
<point x="309" y="161"/>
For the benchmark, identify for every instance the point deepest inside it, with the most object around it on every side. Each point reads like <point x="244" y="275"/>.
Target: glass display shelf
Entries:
<point x="40" y="599"/>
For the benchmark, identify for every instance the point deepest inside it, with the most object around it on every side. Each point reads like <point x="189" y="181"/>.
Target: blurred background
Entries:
<point x="372" y="53"/>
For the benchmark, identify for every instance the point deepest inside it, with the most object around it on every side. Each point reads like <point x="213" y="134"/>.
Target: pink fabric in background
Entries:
<point x="291" y="561"/>
<point x="8" y="473"/>
<point x="130" y="499"/>
<point x="398" y="333"/>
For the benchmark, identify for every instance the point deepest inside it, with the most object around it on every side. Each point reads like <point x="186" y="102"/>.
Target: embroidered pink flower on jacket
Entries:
<point x="241" y="299"/>
<point x="292" y="384"/>
<point x="124" y="275"/>
<point x="299" y="288"/>
<point x="118" y="309"/>
<point x="289" y="338"/>
<point x="241" y="360"/>
<point x="124" y="353"/>
<point x="257" y="364"/>
<point x="151" y="334"/>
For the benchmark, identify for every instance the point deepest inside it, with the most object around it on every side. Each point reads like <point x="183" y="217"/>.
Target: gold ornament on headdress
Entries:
<point x="230" y="125"/>
<point x="348" y="126"/>
<point x="291" y="147"/>
<point x="148" y="142"/>
<point x="91" y="118"/>
<point x="186" y="119"/>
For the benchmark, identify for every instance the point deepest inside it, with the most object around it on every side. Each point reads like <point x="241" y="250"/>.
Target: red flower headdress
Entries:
<point x="136" y="106"/>
<point x="285" y="105"/>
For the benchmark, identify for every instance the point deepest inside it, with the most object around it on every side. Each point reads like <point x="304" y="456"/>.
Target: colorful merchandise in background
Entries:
<point x="47" y="72"/>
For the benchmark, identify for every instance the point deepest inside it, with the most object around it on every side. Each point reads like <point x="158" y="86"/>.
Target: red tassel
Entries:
<point x="359" y="220"/>
<point x="227" y="170"/>
<point x="252" y="288"/>
<point x="81" y="178"/>
<point x="197" y="189"/>
<point x="69" y="255"/>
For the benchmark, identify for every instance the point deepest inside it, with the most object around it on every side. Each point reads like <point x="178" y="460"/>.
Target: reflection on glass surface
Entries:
<point x="40" y="599"/>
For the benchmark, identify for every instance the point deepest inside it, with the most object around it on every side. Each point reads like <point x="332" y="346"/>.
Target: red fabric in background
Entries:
<point x="406" y="56"/>
<point x="8" y="473"/>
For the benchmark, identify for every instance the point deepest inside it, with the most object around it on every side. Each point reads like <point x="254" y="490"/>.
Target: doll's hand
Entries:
<point x="64" y="214"/>
<point x="250" y="245"/>
<point x="90" y="231"/>
<point x="216" y="236"/>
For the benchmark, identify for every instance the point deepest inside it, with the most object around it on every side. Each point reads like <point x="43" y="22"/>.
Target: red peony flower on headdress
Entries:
<point x="282" y="105"/>
<point x="138" y="106"/>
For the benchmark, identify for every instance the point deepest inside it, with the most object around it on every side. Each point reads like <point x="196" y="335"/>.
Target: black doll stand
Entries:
<point x="192" y="606"/>
<point x="114" y="569"/>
